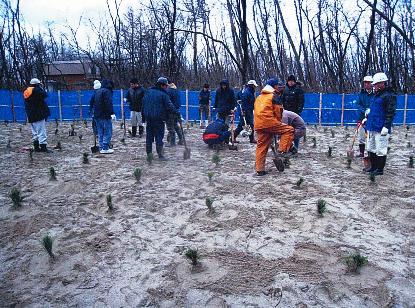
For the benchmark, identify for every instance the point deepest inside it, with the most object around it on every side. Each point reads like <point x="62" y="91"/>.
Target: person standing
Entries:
<point x="134" y="97"/>
<point x="247" y="97"/>
<point x="103" y="113"/>
<point x="379" y="123"/>
<point x="204" y="105"/>
<point x="294" y="120"/>
<point x="293" y="96"/>
<point x="37" y="112"/>
<point x="268" y="122"/>
<point x="174" y="117"/>
<point x="97" y="85"/>
<point x="156" y="108"/>
<point x="224" y="101"/>
<point x="363" y="104"/>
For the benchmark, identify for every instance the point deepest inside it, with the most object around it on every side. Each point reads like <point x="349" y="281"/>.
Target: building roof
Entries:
<point x="76" y="67"/>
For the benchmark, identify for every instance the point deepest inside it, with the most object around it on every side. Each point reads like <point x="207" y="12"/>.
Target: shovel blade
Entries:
<point x="233" y="147"/>
<point x="186" y="154"/>
<point x="279" y="164"/>
<point x="95" y="149"/>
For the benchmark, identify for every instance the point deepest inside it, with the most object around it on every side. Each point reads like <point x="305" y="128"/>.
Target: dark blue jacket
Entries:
<point x="102" y="104"/>
<point x="293" y="98"/>
<point x="174" y="97"/>
<point x="363" y="103"/>
<point x="247" y="97"/>
<point x="225" y="99"/>
<point x="135" y="98"/>
<point x="35" y="104"/>
<point x="204" y="97"/>
<point x="216" y="132"/>
<point x="157" y="104"/>
<point x="382" y="111"/>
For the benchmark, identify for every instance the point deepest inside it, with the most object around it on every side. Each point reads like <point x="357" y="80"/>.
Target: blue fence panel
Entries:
<point x="5" y="105"/>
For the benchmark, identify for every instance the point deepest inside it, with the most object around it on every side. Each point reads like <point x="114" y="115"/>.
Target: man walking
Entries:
<point x="363" y="104"/>
<point x="379" y="123"/>
<point x="224" y="100"/>
<point x="156" y="107"/>
<point x="293" y="96"/>
<point x="267" y="118"/>
<point x="134" y="97"/>
<point x="247" y="97"/>
<point x="204" y="105"/>
<point x="103" y="113"/>
<point x="37" y="113"/>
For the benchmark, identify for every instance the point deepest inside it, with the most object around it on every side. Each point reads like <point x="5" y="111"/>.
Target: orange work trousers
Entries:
<point x="264" y="139"/>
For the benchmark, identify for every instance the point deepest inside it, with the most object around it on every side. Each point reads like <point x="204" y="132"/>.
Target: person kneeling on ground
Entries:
<point x="379" y="123"/>
<point x="156" y="108"/>
<point x="294" y="120"/>
<point x="267" y="119"/>
<point x="216" y="132"/>
<point x="103" y="113"/>
<point x="37" y="113"/>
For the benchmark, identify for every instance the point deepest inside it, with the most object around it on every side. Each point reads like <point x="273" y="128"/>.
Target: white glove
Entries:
<point x="125" y="100"/>
<point x="384" y="131"/>
<point x="367" y="112"/>
<point x="113" y="117"/>
<point x="364" y="121"/>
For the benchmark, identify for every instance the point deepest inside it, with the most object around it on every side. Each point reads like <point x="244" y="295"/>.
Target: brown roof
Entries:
<point x="76" y="67"/>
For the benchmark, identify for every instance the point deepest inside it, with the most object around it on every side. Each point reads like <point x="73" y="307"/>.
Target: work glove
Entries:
<point x="125" y="99"/>
<point x="113" y="117"/>
<point x="364" y="121"/>
<point x="367" y="111"/>
<point x="384" y="131"/>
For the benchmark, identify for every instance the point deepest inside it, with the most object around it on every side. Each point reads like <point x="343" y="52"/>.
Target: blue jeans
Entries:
<point x="154" y="131"/>
<point x="104" y="129"/>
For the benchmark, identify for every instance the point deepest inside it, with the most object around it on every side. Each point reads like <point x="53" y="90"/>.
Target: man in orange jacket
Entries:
<point x="268" y="122"/>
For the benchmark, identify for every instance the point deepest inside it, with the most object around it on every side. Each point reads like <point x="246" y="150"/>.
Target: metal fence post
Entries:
<point x="122" y="105"/>
<point x="12" y="106"/>
<point x="405" y="108"/>
<point x="320" y="109"/>
<point x="60" y="105"/>
<point x="80" y="105"/>
<point x="187" y="107"/>
<point x="342" y="115"/>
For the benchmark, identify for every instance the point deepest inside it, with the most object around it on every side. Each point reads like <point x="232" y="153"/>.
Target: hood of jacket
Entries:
<point x="267" y="89"/>
<point x="224" y="82"/>
<point x="107" y="84"/>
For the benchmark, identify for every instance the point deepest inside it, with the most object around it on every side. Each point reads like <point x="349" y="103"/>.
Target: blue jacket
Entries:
<point x="293" y="98"/>
<point x="363" y="103"/>
<point x="382" y="111"/>
<point x="157" y="104"/>
<point x="216" y="132"/>
<point x="135" y="98"/>
<point x="102" y="104"/>
<point x="204" y="97"/>
<point x="224" y="99"/>
<point x="247" y="97"/>
<point x="35" y="104"/>
<point x="174" y="97"/>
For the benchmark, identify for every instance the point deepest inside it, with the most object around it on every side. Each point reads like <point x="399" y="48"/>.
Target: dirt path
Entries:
<point x="265" y="235"/>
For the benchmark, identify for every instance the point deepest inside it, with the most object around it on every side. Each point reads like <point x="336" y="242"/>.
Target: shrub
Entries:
<point x="193" y="256"/>
<point x="314" y="142"/>
<point x="216" y="159"/>
<point x="299" y="182"/>
<point x="31" y="154"/>
<point x="109" y="203"/>
<point x="52" y="174"/>
<point x="85" y="158"/>
<point x="372" y="178"/>
<point x="321" y="206"/>
<point x="210" y="176"/>
<point x="349" y="162"/>
<point x="16" y="196"/>
<point x="330" y="152"/>
<point x="411" y="161"/>
<point x="137" y="174"/>
<point x="354" y="262"/>
<point x="209" y="205"/>
<point x="47" y="243"/>
<point x="332" y="133"/>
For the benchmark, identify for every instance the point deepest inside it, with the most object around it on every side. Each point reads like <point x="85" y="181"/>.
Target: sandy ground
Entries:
<point x="265" y="235"/>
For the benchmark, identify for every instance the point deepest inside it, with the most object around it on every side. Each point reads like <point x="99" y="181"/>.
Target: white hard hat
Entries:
<point x="252" y="82"/>
<point x="34" y="81"/>
<point x="368" y="78"/>
<point x="379" y="77"/>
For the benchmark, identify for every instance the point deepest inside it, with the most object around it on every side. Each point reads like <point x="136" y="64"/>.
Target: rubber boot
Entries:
<point x="380" y="165"/>
<point x="36" y="146"/>
<point x="374" y="162"/>
<point x="172" y="140"/>
<point x="252" y="138"/>
<point x="134" y="131"/>
<point x="160" y="153"/>
<point x="371" y="159"/>
<point x="140" y="131"/>
<point x="362" y="150"/>
<point x="44" y="149"/>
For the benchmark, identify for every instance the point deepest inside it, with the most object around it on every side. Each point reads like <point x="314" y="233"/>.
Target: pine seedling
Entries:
<point x="321" y="206"/>
<point x="210" y="176"/>
<point x="122" y="125"/>
<point x="80" y="137"/>
<point x="346" y="127"/>
<point x="47" y="243"/>
<point x="9" y="145"/>
<point x="411" y="161"/>
<point x="287" y="162"/>
<point x="209" y="205"/>
<point x="216" y="159"/>
<point x="314" y="142"/>
<point x="16" y="197"/>
<point x="332" y="133"/>
<point x="123" y="141"/>
<point x="354" y="262"/>
<point x="407" y="127"/>
<point x="52" y="174"/>
<point x="20" y="129"/>
<point x="150" y="158"/>
<point x="109" y="203"/>
<point x="56" y="131"/>
<point x="85" y="159"/>
<point x="137" y="174"/>
<point x="347" y="136"/>
<point x="325" y="129"/>
<point x="349" y="163"/>
<point x="299" y="182"/>
<point x="406" y="135"/>
<point x="330" y="152"/>
<point x="85" y="124"/>
<point x="409" y="145"/>
<point x="31" y="154"/>
<point x="56" y="123"/>
<point x="372" y="178"/>
<point x="193" y="256"/>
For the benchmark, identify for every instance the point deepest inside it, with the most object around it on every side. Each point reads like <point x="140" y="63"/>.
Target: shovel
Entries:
<point x="350" y="152"/>
<point x="95" y="148"/>
<point x="278" y="162"/>
<point x="232" y="146"/>
<point x="186" y="153"/>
